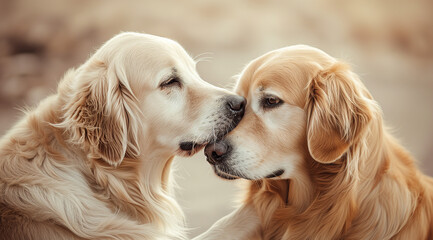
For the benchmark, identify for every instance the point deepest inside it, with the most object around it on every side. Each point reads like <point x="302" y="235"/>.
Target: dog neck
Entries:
<point x="140" y="188"/>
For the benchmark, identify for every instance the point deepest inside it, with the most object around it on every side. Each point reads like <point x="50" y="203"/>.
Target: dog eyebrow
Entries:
<point x="172" y="74"/>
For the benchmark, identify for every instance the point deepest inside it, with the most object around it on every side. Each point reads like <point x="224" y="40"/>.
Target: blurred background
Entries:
<point x="389" y="43"/>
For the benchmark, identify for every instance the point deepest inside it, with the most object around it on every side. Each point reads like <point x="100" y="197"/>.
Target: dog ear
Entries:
<point x="338" y="112"/>
<point x="102" y="113"/>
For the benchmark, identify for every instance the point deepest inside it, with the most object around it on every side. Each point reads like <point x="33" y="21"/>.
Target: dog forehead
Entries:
<point x="133" y="38"/>
<point x="286" y="70"/>
<point x="277" y="76"/>
<point x="143" y="47"/>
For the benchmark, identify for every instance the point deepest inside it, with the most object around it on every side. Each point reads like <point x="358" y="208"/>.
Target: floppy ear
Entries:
<point x="338" y="112"/>
<point x="102" y="114"/>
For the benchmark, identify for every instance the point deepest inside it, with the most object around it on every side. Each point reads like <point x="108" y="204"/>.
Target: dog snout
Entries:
<point x="217" y="152"/>
<point x="236" y="104"/>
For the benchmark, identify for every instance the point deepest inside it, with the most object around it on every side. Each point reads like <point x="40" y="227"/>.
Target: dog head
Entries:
<point x="302" y="103"/>
<point x="140" y="93"/>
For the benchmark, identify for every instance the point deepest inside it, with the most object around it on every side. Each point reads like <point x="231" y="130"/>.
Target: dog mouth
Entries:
<point x="223" y="173"/>
<point x="276" y="173"/>
<point x="226" y="173"/>
<point x="189" y="148"/>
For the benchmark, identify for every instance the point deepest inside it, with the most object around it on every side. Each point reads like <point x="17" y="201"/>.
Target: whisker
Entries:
<point x="201" y="57"/>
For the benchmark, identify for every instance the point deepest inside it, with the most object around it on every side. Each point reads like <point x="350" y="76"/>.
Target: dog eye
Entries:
<point x="271" y="102"/>
<point x="172" y="82"/>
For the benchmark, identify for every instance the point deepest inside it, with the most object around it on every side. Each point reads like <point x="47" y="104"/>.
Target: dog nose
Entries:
<point x="236" y="103"/>
<point x="216" y="152"/>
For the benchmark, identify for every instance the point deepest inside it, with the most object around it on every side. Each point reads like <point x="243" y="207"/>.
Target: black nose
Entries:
<point x="216" y="152"/>
<point x="236" y="103"/>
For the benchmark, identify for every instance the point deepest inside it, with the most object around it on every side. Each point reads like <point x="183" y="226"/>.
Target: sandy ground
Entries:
<point x="389" y="44"/>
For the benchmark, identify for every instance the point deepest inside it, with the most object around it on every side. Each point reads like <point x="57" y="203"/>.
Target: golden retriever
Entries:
<point x="93" y="161"/>
<point x="320" y="161"/>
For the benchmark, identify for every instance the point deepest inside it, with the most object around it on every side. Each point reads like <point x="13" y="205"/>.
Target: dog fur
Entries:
<point x="93" y="160"/>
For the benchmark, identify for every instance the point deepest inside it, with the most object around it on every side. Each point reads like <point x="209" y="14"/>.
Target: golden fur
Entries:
<point x="348" y="177"/>
<point x="93" y="161"/>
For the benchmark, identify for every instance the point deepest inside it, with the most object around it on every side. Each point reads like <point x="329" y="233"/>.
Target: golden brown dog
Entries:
<point x="93" y="161"/>
<point x="320" y="161"/>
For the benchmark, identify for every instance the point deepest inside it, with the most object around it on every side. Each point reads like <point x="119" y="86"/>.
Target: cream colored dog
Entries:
<point x="320" y="161"/>
<point x="93" y="161"/>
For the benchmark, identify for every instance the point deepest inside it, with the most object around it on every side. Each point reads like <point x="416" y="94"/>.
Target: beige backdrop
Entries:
<point x="389" y="44"/>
